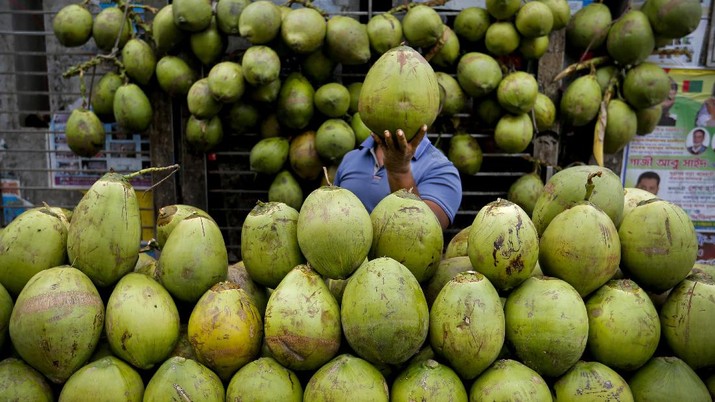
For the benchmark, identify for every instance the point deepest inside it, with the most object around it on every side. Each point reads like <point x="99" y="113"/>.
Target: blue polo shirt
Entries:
<point x="436" y="177"/>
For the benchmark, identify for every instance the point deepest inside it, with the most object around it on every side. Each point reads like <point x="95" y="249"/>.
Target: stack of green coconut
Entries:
<point x="595" y="295"/>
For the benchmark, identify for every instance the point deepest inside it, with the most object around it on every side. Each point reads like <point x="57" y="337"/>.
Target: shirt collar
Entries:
<point x="369" y="145"/>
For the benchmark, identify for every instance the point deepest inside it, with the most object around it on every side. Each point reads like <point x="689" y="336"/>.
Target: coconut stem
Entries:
<point x="173" y="169"/>
<point x="599" y="132"/>
<point x="306" y="3"/>
<point x="327" y="176"/>
<point x="405" y="7"/>
<point x="590" y="186"/>
<point x="596" y="61"/>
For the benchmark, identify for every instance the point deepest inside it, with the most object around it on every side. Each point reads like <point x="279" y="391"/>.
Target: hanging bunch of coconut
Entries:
<point x="628" y="101"/>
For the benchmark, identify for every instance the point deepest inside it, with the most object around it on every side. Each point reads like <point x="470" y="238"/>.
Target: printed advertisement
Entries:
<point x="123" y="153"/>
<point x="677" y="161"/>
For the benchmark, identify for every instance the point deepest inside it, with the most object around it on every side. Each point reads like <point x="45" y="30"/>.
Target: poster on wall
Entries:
<point x="677" y="160"/>
<point x="122" y="152"/>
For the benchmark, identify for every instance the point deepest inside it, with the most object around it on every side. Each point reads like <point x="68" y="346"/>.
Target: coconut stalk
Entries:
<point x="599" y="133"/>
<point x="581" y="65"/>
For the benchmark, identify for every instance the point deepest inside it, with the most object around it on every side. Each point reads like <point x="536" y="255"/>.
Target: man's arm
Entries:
<point x="397" y="159"/>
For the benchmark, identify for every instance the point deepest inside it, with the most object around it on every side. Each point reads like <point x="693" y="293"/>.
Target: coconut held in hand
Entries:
<point x="399" y="91"/>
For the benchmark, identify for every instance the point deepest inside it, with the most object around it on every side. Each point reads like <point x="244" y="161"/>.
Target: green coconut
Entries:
<point x="107" y="376"/>
<point x="478" y="74"/>
<point x="270" y="127"/>
<point x="646" y="85"/>
<point x="228" y="14"/>
<point x="471" y="23"/>
<point x="203" y="135"/>
<point x="303" y="30"/>
<point x="525" y="191"/>
<point x="103" y="95"/>
<point x="580" y="245"/>
<point x="139" y="60"/>
<point x="465" y="153"/>
<point x="109" y="24"/>
<point x="633" y="196"/>
<point x="132" y="109"/>
<point x="20" y="382"/>
<point x="503" y="244"/>
<point x="192" y="15"/>
<point x="72" y="25"/>
<point x="588" y="27"/>
<point x="630" y="39"/>
<point x="428" y="381"/>
<point x="261" y="65"/>
<point x="362" y="132"/>
<point x="61" y="310"/>
<point x="384" y="32"/>
<point x="648" y="118"/>
<point x="448" y="268"/>
<point x="334" y="231"/>
<point x="266" y="93"/>
<point x="318" y="67"/>
<point x="354" y="88"/>
<point x="285" y="188"/>
<point x="264" y="378"/>
<point x="560" y="11"/>
<point x="239" y="117"/>
<point x="406" y="230"/>
<point x="332" y="99"/>
<point x="174" y="75"/>
<point x="581" y="101"/>
<point x="184" y="379"/>
<point x="673" y="18"/>
<point x="685" y="316"/>
<point x="32" y="242"/>
<point x="588" y="381"/>
<point x="534" y="48"/>
<point x="502" y="9"/>
<point x="624" y="329"/>
<point x="260" y="22"/>
<point x="169" y="216"/>
<point x="567" y="188"/>
<point x="658" y="244"/>
<point x="509" y="380"/>
<point x="208" y="45"/>
<point x="538" y="314"/>
<point x="667" y="378"/>
<point x="534" y="19"/>
<point x="200" y="100"/>
<point x="295" y="106"/>
<point x="457" y="246"/>
<point x="621" y="126"/>
<point x="514" y="133"/>
<point x="502" y="38"/>
<point x="489" y="111"/>
<point x="449" y="51"/>
<point x="384" y="313"/>
<point x="164" y="32"/>
<point x="389" y="100"/>
<point x="238" y="274"/>
<point x="347" y="377"/>
<point x="455" y="100"/>
<point x="302" y="336"/>
<point x="225" y="81"/>
<point x="142" y="321"/>
<point x="467" y="324"/>
<point x="6" y="306"/>
<point x="334" y="139"/>
<point x="104" y="236"/>
<point x="346" y="40"/>
<point x="269" y="155"/>
<point x="303" y="158"/>
<point x="544" y="112"/>
<point x="422" y="26"/>
<point x="225" y="329"/>
<point x="517" y="91"/>
<point x="193" y="259"/>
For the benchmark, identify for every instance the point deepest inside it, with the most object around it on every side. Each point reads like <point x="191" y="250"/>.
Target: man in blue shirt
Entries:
<point x="379" y="167"/>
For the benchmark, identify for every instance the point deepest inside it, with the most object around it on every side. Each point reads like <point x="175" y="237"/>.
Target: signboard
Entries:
<point x="677" y="160"/>
<point x="122" y="153"/>
<point x="685" y="52"/>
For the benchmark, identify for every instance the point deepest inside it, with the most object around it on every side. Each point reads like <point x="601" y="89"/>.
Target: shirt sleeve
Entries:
<point x="443" y="186"/>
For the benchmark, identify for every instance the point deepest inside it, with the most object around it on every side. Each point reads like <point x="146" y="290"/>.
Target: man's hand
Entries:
<point x="397" y="152"/>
